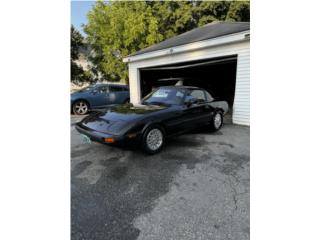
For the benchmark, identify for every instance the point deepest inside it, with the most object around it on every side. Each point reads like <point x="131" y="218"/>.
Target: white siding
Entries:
<point x="241" y="106"/>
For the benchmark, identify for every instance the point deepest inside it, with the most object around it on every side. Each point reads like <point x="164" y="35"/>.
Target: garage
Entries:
<point x="215" y="75"/>
<point x="215" y="57"/>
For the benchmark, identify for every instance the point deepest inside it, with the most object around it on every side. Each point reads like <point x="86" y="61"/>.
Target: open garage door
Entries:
<point x="217" y="76"/>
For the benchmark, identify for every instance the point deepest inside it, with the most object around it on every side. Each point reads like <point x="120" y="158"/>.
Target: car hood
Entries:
<point x="129" y="112"/>
<point x="118" y="119"/>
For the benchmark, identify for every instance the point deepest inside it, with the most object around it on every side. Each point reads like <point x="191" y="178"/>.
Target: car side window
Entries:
<point x="198" y="94"/>
<point x="115" y="89"/>
<point x="209" y="97"/>
<point x="103" y="89"/>
<point x="188" y="98"/>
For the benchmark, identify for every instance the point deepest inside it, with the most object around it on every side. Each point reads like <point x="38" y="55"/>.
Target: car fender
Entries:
<point x="81" y="99"/>
<point x="220" y="105"/>
<point x="148" y="124"/>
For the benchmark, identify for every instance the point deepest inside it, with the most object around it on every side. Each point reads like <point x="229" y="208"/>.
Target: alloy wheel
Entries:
<point x="80" y="108"/>
<point x="154" y="139"/>
<point x="217" y="120"/>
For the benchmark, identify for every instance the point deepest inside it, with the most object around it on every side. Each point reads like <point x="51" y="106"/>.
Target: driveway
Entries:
<point x="196" y="188"/>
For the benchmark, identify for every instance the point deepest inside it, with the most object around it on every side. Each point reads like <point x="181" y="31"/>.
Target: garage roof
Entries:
<point x="208" y="31"/>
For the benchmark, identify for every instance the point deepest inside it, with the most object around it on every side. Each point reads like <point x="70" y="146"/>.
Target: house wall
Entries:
<point x="241" y="108"/>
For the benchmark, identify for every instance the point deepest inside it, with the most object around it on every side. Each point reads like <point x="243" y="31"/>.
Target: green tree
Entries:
<point x="118" y="29"/>
<point x="76" y="43"/>
<point x="239" y="11"/>
<point x="207" y="12"/>
<point x="78" y="74"/>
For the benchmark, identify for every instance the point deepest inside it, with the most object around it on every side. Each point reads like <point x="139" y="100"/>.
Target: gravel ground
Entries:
<point x="196" y="188"/>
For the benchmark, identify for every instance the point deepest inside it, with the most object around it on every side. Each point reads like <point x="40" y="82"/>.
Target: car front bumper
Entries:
<point x="100" y="137"/>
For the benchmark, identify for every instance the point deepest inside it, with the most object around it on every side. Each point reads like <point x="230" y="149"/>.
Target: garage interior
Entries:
<point x="217" y="76"/>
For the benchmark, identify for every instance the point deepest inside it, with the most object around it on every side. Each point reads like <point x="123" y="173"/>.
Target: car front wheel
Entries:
<point x="80" y="108"/>
<point x="153" y="139"/>
<point x="217" y="120"/>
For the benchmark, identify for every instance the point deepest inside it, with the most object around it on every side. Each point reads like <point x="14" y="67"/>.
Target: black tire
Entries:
<point x="217" y="120"/>
<point x="146" y="138"/>
<point x="80" y="107"/>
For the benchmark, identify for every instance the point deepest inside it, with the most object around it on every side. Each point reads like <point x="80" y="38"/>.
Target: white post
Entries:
<point x="134" y="82"/>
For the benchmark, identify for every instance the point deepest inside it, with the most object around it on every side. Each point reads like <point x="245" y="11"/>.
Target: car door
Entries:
<point x="198" y="113"/>
<point x="175" y="119"/>
<point x="99" y="97"/>
<point x="117" y="94"/>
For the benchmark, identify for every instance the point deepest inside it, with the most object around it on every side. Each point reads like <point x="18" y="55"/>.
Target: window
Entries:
<point x="103" y="89"/>
<point x="115" y="89"/>
<point x="209" y="97"/>
<point x="124" y="89"/>
<point x="198" y="94"/>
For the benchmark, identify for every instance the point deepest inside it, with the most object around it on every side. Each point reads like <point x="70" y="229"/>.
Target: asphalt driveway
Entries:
<point x="196" y="188"/>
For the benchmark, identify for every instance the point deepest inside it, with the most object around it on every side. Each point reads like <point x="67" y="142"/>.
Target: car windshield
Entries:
<point x="164" y="96"/>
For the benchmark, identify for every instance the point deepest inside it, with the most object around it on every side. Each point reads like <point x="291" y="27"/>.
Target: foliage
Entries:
<point x="116" y="29"/>
<point x="239" y="11"/>
<point x="76" y="43"/>
<point x="78" y="74"/>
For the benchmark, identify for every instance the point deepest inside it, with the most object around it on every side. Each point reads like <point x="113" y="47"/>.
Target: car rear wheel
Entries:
<point x="153" y="139"/>
<point x="217" y="120"/>
<point x="80" y="108"/>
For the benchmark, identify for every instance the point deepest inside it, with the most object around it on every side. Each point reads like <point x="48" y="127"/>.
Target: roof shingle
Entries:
<point x="208" y="31"/>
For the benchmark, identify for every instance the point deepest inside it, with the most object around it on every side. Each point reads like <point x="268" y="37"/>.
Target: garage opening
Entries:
<point x="217" y="76"/>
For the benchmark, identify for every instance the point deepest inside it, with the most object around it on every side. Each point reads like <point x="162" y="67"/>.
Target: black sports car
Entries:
<point x="165" y="112"/>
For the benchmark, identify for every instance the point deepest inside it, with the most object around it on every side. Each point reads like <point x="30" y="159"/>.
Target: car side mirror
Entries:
<point x="95" y="91"/>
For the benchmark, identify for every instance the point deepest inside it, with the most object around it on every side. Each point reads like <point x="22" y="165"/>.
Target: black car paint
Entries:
<point x="126" y="119"/>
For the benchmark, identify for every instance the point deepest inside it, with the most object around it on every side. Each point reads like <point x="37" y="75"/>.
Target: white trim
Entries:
<point x="231" y="38"/>
<point x="201" y="54"/>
